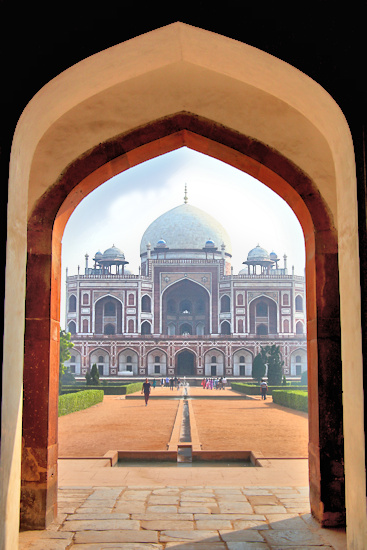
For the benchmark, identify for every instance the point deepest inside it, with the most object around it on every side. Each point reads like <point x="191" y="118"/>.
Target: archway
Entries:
<point x="316" y="178"/>
<point x="185" y="363"/>
<point x="185" y="307"/>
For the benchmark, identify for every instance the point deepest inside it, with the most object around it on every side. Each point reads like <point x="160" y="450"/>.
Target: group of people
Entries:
<point x="214" y="383"/>
<point x="171" y="382"/>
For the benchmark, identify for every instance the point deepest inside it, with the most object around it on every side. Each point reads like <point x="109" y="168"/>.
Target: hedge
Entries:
<point x="249" y="389"/>
<point x="294" y="399"/>
<point x="108" y="390"/>
<point x="72" y="402"/>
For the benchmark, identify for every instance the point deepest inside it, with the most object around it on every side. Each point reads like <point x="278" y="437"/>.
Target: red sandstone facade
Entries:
<point x="186" y="313"/>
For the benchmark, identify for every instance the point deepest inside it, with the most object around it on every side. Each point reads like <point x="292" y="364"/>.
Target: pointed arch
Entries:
<point x="306" y="156"/>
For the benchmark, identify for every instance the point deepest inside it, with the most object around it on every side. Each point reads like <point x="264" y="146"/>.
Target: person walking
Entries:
<point x="154" y="383"/>
<point x="171" y="382"/>
<point x="263" y="389"/>
<point x="146" y="390"/>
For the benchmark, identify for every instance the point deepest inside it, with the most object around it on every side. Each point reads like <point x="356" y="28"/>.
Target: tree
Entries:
<point x="272" y="357"/>
<point x="258" y="367"/>
<point x="65" y="347"/>
<point x="92" y="377"/>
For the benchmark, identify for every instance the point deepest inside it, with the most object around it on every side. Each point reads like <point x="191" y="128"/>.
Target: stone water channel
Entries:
<point x="185" y="445"/>
<point x="184" y="452"/>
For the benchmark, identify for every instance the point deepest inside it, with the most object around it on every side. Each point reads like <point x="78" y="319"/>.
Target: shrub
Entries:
<point x="79" y="400"/>
<point x="108" y="390"/>
<point x="294" y="399"/>
<point x="304" y="378"/>
<point x="67" y="378"/>
<point x="135" y="386"/>
<point x="92" y="377"/>
<point x="255" y="390"/>
<point x="258" y="368"/>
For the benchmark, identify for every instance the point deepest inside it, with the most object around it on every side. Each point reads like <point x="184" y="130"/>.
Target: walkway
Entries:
<point x="183" y="507"/>
<point x="206" y="517"/>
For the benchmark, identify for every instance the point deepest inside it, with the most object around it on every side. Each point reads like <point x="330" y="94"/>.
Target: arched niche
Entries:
<point x="275" y="124"/>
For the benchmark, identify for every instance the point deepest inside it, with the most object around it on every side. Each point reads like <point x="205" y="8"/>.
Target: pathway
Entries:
<point x="183" y="508"/>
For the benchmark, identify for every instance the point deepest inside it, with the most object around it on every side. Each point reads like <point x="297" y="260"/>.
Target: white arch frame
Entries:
<point x="150" y="364"/>
<point x="256" y="298"/>
<point x="134" y="353"/>
<point x="324" y="142"/>
<point x="78" y="364"/>
<point x="235" y="365"/>
<point x="207" y="364"/>
<point x="106" y="366"/>
<point x="94" y="311"/>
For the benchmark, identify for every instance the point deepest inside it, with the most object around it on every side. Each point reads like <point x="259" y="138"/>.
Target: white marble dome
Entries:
<point x="113" y="253"/>
<point x="258" y="254"/>
<point x="186" y="228"/>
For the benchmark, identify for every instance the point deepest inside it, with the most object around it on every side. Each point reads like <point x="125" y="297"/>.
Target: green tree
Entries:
<point x="258" y="367"/>
<point x="92" y="377"/>
<point x="272" y="357"/>
<point x="65" y="347"/>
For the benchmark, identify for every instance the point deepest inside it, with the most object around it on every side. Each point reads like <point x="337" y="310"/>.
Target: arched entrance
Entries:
<point x="185" y="363"/>
<point x="185" y="309"/>
<point x="299" y="155"/>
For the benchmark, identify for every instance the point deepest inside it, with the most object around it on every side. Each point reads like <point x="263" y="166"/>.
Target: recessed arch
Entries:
<point x="316" y="178"/>
<point x="128" y="361"/>
<point x="181" y="299"/>
<point x="185" y="361"/>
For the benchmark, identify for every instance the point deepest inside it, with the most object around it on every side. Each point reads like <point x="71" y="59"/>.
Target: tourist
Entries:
<point x="263" y="389"/>
<point x="171" y="382"/>
<point x="224" y="382"/>
<point x="154" y="383"/>
<point x="146" y="390"/>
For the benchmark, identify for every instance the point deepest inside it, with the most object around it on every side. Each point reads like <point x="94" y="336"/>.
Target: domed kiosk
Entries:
<point x="259" y="257"/>
<point x="111" y="257"/>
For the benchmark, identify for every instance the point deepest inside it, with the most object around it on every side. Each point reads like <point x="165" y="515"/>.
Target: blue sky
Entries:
<point x="120" y="210"/>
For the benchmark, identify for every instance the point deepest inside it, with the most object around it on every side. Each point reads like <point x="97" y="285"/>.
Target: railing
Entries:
<point x="298" y="278"/>
<point x="238" y="277"/>
<point x="190" y="337"/>
<point x="108" y="276"/>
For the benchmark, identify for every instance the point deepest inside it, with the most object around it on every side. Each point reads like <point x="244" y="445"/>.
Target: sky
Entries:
<point x="119" y="211"/>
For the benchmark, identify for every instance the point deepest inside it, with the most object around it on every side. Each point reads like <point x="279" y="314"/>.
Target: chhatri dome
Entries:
<point x="258" y="254"/>
<point x="185" y="228"/>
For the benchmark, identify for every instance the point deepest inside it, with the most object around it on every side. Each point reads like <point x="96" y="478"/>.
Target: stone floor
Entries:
<point x="184" y="518"/>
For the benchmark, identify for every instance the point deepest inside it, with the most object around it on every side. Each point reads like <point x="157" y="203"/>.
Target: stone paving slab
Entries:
<point x="116" y="545"/>
<point x="171" y="517"/>
<point x="88" y="537"/>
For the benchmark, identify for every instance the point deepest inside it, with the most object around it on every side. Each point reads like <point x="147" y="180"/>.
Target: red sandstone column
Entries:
<point x="41" y="373"/>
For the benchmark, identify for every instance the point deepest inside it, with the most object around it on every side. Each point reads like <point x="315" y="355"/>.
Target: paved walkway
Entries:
<point x="203" y="517"/>
<point x="201" y="508"/>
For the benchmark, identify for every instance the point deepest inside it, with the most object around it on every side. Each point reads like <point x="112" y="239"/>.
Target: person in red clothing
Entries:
<point x="146" y="390"/>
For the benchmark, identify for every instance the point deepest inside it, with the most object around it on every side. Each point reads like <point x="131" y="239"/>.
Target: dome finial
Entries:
<point x="185" y="197"/>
